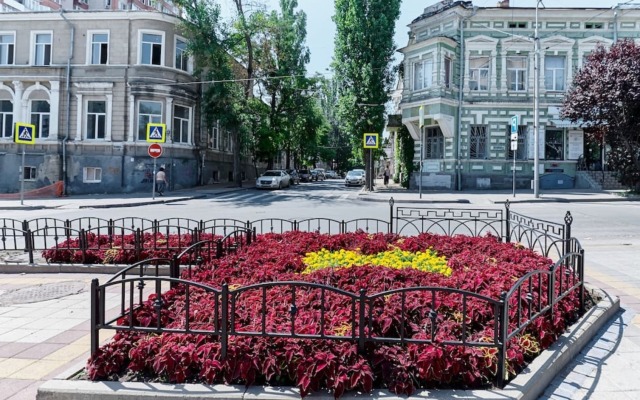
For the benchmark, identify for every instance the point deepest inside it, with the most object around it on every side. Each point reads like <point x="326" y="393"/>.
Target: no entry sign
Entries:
<point x="154" y="150"/>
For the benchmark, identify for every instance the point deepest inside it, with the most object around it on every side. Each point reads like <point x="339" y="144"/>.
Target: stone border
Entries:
<point x="528" y="385"/>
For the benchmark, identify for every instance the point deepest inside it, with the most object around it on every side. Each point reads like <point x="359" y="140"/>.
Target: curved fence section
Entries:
<point x="449" y="221"/>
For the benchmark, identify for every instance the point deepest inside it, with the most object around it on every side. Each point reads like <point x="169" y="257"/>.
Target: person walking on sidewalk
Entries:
<point x="387" y="173"/>
<point x="161" y="181"/>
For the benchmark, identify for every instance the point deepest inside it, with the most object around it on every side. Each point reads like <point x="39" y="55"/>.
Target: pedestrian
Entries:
<point x="387" y="173"/>
<point x="161" y="181"/>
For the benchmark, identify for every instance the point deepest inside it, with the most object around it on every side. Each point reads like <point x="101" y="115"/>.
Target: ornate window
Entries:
<point x="479" y="73"/>
<point x="40" y="117"/>
<point x="433" y="143"/>
<point x="7" y="48"/>
<point x="99" y="45"/>
<point x="6" y="119"/>
<point x="517" y="73"/>
<point x="423" y="74"/>
<point x="181" y="124"/>
<point x="554" y="144"/>
<point x="42" y="49"/>
<point x="96" y="119"/>
<point x="148" y="112"/>
<point x="554" y="73"/>
<point x="478" y="142"/>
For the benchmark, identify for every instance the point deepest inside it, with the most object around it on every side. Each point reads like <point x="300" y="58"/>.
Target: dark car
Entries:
<point x="305" y="175"/>
<point x="295" y="177"/>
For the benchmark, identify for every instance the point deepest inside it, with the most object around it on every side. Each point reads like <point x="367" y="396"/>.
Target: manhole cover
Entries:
<point x="46" y="291"/>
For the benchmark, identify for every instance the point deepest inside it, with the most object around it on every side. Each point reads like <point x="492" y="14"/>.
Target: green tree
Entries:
<point x="364" y="50"/>
<point x="282" y="55"/>
<point x="605" y="98"/>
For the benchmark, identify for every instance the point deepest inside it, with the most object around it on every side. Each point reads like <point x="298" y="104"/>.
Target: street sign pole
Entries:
<point x="153" y="181"/>
<point x="421" y="125"/>
<point x="514" y="171"/>
<point x="22" y="178"/>
<point x="514" y="149"/>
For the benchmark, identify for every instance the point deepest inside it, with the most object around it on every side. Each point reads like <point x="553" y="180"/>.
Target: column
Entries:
<point x="19" y="104"/>
<point x="54" y="103"/>
<point x="79" y="113"/>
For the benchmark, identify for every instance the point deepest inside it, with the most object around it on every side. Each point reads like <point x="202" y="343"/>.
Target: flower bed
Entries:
<point x="479" y="265"/>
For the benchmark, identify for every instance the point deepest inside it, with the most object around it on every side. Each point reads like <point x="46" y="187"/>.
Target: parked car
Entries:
<point x="354" y="178"/>
<point x="273" y="179"/>
<point x="295" y="177"/>
<point x="317" y="175"/>
<point x="305" y="175"/>
<point x="331" y="174"/>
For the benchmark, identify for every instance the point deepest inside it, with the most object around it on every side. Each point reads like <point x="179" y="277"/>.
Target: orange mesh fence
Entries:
<point x="54" y="190"/>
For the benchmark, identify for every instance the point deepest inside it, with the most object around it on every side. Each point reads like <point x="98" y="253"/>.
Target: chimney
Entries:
<point x="503" y="4"/>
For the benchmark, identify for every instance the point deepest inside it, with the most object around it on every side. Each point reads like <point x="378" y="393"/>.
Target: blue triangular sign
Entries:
<point x="371" y="141"/>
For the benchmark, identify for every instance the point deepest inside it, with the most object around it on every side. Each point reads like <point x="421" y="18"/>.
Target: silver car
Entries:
<point x="273" y="179"/>
<point x="354" y="178"/>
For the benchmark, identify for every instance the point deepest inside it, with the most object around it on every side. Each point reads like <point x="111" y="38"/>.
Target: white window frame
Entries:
<point x="35" y="46"/>
<point x="40" y="119"/>
<point x="6" y="133"/>
<point x="33" y="173"/>
<point x="423" y="73"/>
<point x="180" y="121"/>
<point x="215" y="136"/>
<point x="153" y="118"/>
<point x="552" y="73"/>
<point x="476" y="74"/>
<point x="519" y="73"/>
<point x="91" y="175"/>
<point x="185" y="57"/>
<point x="141" y="34"/>
<point x="10" y="49"/>
<point x="105" y="115"/>
<point x="447" y="76"/>
<point x="90" y="43"/>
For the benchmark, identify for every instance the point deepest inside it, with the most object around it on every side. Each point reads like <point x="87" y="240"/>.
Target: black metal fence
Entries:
<point x="526" y="297"/>
<point x="78" y="236"/>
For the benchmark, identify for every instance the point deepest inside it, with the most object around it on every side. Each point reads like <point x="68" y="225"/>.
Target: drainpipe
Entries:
<point x="460" y="99"/>
<point x="67" y="105"/>
<point x="615" y="23"/>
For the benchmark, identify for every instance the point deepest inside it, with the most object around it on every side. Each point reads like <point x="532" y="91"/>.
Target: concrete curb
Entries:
<point x="146" y="203"/>
<point x="528" y="385"/>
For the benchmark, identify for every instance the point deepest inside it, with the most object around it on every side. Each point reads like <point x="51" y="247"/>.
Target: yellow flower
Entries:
<point x="426" y="261"/>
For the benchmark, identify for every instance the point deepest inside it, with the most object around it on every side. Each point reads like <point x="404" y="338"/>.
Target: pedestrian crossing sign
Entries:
<point x="371" y="141"/>
<point x="25" y="133"/>
<point x="156" y="133"/>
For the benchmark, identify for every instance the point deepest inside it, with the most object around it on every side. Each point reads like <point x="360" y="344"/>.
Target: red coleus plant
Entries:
<point x="479" y="265"/>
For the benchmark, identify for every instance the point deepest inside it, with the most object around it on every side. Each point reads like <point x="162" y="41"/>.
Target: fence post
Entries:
<point x="110" y="227"/>
<point x="552" y="284"/>
<point x="253" y="231"/>
<point x="361" y="322"/>
<point x="343" y="227"/>
<point x="174" y="269"/>
<point x="248" y="236"/>
<point x="507" y="221"/>
<point x="83" y="245"/>
<point x="137" y="240"/>
<point x="195" y="236"/>
<point x="219" y="248"/>
<point x="224" y="329"/>
<point x="95" y="309"/>
<point x="581" y="277"/>
<point x="29" y="244"/>
<point x="155" y="227"/>
<point x="568" y="220"/>
<point x="502" y="338"/>
<point x="391" y="215"/>
<point x="67" y="228"/>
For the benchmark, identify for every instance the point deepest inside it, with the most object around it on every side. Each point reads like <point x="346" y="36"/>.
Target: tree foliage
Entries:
<point x="605" y="98"/>
<point x="405" y="146"/>
<point x="364" y="50"/>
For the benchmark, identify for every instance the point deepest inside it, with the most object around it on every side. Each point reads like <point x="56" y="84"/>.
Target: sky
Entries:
<point x="321" y="29"/>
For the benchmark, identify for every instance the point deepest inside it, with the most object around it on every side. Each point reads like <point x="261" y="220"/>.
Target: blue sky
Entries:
<point x="321" y="29"/>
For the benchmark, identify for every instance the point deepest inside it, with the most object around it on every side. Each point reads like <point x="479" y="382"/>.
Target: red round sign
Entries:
<point x="154" y="150"/>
